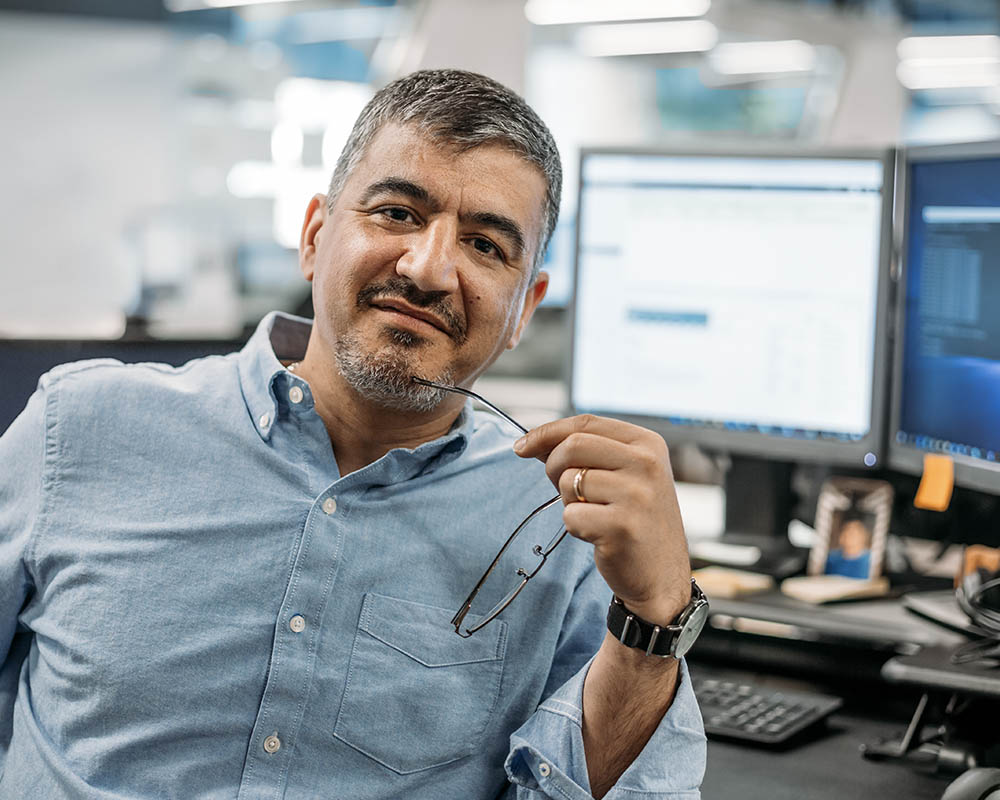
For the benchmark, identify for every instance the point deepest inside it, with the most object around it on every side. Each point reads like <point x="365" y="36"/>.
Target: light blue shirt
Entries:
<point x="194" y="603"/>
<point x="858" y="567"/>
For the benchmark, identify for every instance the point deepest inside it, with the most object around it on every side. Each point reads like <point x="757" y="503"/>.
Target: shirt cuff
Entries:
<point x="547" y="759"/>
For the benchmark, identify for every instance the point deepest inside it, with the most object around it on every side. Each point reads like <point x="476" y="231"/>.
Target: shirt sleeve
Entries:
<point x="547" y="759"/>
<point x="22" y="460"/>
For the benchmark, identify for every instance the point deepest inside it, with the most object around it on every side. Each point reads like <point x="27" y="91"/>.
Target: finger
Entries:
<point x="617" y="488"/>
<point x="595" y="486"/>
<point x="592" y="522"/>
<point x="587" y="450"/>
<point x="646" y="464"/>
<point x="608" y="526"/>
<point x="540" y="441"/>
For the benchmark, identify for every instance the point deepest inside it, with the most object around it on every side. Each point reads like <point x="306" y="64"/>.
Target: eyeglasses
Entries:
<point x="507" y="574"/>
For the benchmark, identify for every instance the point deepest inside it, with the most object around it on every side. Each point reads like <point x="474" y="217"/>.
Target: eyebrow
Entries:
<point x="498" y="222"/>
<point x="397" y="186"/>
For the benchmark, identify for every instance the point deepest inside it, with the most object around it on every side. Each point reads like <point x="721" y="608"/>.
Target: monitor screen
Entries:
<point x="946" y="392"/>
<point x="736" y="301"/>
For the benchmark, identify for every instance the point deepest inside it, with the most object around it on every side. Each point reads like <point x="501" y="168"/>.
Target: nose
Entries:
<point x="431" y="258"/>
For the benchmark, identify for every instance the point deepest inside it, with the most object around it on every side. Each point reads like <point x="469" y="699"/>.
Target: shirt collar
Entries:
<point x="433" y="455"/>
<point x="278" y="337"/>
<point x="283" y="337"/>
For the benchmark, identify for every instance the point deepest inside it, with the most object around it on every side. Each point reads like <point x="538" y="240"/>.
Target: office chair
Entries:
<point x="979" y="783"/>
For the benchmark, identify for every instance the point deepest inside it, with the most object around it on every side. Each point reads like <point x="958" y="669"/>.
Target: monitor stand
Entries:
<point x="759" y="501"/>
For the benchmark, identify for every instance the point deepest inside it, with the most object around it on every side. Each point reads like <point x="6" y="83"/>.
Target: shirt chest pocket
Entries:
<point x="417" y="695"/>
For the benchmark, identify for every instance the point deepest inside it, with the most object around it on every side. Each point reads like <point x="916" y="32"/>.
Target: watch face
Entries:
<point x="692" y="627"/>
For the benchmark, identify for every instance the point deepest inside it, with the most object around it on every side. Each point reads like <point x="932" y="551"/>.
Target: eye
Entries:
<point x="486" y="247"/>
<point x="396" y="214"/>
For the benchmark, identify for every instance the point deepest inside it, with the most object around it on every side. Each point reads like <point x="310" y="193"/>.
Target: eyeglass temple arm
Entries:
<point x="459" y="390"/>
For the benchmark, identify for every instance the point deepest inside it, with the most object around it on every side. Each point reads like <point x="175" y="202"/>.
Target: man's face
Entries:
<point x="854" y="538"/>
<point x="423" y="265"/>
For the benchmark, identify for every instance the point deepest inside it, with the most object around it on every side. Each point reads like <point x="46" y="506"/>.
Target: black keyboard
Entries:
<point x="753" y="713"/>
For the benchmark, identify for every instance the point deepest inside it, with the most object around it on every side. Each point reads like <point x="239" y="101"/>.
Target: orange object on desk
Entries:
<point x="979" y="556"/>
<point x="936" y="484"/>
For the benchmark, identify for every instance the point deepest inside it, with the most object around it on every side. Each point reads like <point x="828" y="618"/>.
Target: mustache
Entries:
<point x="405" y="289"/>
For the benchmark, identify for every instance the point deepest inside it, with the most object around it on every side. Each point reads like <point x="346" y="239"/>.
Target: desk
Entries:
<point x="829" y="767"/>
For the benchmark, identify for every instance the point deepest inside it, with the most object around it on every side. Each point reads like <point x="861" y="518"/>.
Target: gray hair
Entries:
<point x="462" y="110"/>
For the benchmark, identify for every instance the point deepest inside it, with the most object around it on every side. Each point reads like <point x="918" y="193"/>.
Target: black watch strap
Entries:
<point x="633" y="631"/>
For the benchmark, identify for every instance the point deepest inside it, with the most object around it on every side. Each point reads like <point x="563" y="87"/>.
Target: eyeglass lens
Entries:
<point x="520" y="557"/>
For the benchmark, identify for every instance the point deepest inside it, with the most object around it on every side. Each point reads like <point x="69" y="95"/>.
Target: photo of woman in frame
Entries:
<point x="852" y="524"/>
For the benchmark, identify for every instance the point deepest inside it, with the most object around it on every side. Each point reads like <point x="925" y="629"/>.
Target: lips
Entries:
<point x="402" y="307"/>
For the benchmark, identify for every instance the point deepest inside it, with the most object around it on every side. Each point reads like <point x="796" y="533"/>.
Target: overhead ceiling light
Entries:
<point x="647" y="38"/>
<point x="343" y="24"/>
<point x="760" y="58"/>
<point x="948" y="47"/>
<point x="949" y="62"/>
<point x="572" y="12"/>
<point x="197" y="5"/>
<point x="287" y="142"/>
<point x="313" y="103"/>
<point x="951" y="74"/>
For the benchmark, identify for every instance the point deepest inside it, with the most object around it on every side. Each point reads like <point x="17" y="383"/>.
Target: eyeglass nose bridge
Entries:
<point x="459" y="618"/>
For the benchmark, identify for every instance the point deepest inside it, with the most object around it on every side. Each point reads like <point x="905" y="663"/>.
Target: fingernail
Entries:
<point x="520" y="443"/>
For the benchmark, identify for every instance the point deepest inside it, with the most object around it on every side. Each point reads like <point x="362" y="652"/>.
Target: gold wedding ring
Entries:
<point x="578" y="485"/>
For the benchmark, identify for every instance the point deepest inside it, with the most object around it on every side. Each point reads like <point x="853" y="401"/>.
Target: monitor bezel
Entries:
<point x="970" y="473"/>
<point x="834" y="452"/>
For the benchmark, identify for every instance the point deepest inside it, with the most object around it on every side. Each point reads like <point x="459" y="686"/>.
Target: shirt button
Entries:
<point x="264" y="421"/>
<point x="272" y="744"/>
<point x="297" y="623"/>
<point x="544" y="769"/>
<point x="329" y="505"/>
<point x="295" y="394"/>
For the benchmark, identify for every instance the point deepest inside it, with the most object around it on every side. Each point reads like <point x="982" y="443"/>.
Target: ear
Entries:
<point x="531" y="300"/>
<point x="309" y="238"/>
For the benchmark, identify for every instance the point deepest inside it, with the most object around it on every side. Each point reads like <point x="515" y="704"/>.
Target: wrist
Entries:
<point x="662" y="636"/>
<point x="660" y="611"/>
<point x="612" y="651"/>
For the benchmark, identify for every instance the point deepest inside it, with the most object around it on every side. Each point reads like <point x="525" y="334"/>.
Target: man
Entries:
<point x="234" y="579"/>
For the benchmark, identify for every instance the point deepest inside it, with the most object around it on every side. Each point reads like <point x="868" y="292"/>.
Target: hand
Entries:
<point x="631" y="515"/>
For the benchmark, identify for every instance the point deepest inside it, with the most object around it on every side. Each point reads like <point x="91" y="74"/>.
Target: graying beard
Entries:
<point x="385" y="377"/>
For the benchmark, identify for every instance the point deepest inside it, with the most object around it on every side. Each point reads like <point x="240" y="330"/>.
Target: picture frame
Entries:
<point x="852" y="526"/>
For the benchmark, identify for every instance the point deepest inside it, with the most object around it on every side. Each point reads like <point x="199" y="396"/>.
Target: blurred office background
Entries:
<point x="158" y="155"/>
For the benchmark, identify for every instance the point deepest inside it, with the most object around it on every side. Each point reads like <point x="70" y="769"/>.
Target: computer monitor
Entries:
<point x="946" y="381"/>
<point x="738" y="301"/>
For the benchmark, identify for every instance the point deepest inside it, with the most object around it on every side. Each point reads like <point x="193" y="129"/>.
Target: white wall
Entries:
<point x="88" y="126"/>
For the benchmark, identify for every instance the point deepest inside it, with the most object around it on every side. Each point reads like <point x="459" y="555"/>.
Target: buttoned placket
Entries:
<point x="311" y="582"/>
<point x="296" y="431"/>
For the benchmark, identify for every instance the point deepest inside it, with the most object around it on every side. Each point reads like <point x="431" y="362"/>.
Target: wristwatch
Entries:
<point x="672" y="641"/>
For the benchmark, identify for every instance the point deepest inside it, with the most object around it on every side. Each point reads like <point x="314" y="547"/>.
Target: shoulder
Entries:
<point x="103" y="393"/>
<point x="100" y="374"/>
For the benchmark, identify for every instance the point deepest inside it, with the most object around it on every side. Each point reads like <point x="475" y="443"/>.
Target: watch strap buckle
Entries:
<point x="652" y="639"/>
